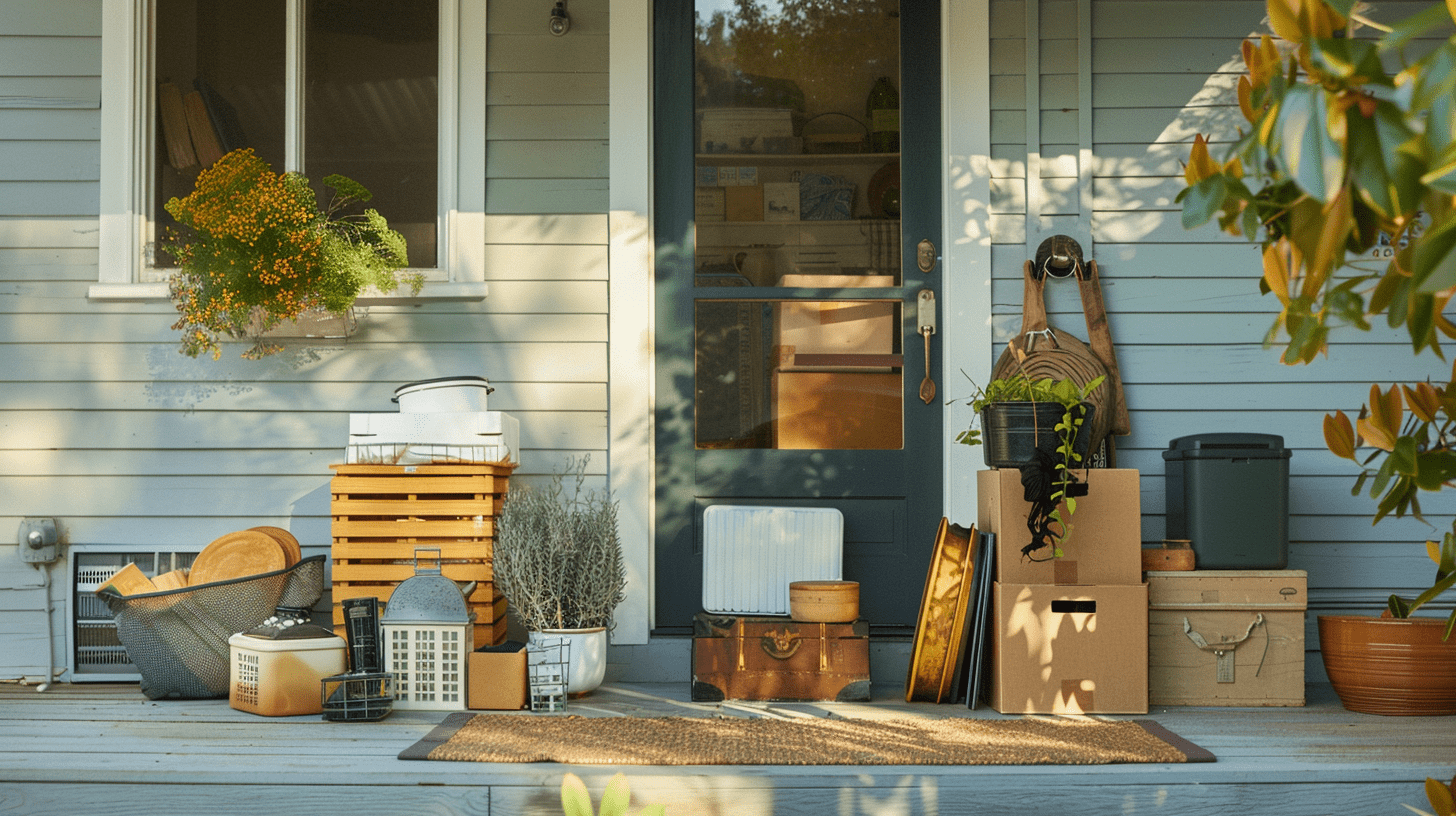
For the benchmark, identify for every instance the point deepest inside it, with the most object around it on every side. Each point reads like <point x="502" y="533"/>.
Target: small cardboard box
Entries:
<point x="1226" y="637"/>
<point x="781" y="201"/>
<point x="743" y="203"/>
<point x="1070" y="649"/>
<point x="497" y="677"/>
<point x="708" y="203"/>
<point x="1106" y="545"/>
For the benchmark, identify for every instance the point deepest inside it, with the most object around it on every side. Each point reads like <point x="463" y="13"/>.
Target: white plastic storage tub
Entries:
<point x="280" y="678"/>
<point x="752" y="554"/>
<point x="443" y="394"/>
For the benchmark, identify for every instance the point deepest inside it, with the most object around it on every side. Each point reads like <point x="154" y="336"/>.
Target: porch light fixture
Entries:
<point x="559" y="23"/>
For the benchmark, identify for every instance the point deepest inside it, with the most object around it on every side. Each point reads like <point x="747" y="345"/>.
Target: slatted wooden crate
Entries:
<point x="383" y="514"/>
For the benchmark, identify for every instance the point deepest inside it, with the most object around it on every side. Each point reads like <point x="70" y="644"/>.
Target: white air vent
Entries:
<point x="751" y="554"/>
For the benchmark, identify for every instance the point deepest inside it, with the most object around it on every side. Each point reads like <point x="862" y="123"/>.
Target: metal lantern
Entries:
<point x="427" y="637"/>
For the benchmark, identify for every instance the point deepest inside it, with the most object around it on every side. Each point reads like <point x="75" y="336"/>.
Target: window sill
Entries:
<point x="432" y="292"/>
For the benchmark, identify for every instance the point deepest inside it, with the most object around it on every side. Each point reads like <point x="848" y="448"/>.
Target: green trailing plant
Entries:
<point x="576" y="799"/>
<point x="1346" y="178"/>
<point x="1049" y="526"/>
<point x="557" y="556"/>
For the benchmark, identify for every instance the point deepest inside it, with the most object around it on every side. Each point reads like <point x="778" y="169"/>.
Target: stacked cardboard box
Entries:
<point x="1070" y="634"/>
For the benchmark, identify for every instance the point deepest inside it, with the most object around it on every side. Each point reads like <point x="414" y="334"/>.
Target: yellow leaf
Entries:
<point x="1338" y="219"/>
<point x="1424" y="401"/>
<point x="1382" y="426"/>
<point x="1268" y="59"/>
<point x="1234" y="168"/>
<point x="1284" y="19"/>
<point x="1451" y="8"/>
<point x="1439" y="793"/>
<point x="1246" y="96"/>
<point x="1433" y="551"/>
<point x="1200" y="164"/>
<point x="1339" y="435"/>
<point x="1276" y="270"/>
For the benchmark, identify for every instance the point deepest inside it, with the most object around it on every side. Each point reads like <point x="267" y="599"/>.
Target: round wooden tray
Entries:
<point x="292" y="553"/>
<point x="237" y="555"/>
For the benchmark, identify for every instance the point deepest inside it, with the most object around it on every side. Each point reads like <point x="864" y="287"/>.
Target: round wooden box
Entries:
<point x="824" y="601"/>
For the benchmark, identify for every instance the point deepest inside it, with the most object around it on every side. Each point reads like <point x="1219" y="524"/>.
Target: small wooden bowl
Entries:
<point x="1168" y="556"/>
<point x="824" y="601"/>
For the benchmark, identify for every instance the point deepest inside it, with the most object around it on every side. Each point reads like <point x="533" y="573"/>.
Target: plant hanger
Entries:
<point x="1041" y="351"/>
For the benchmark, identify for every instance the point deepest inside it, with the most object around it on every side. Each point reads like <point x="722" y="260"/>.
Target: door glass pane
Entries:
<point x="219" y="73"/>
<point x="797" y="164"/>
<point x="371" y="109"/>
<point x="798" y="374"/>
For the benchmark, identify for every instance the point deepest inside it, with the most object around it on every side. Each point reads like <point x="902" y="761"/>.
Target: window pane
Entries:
<point x="219" y="73"/>
<point x="371" y="109"/>
<point x="798" y="374"/>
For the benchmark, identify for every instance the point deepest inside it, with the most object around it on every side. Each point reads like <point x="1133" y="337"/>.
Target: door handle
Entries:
<point x="925" y="324"/>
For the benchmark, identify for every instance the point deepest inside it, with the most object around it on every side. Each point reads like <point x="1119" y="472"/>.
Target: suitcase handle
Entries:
<point x="781" y="645"/>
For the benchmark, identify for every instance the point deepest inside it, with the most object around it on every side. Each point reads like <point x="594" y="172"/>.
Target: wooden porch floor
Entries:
<point x="107" y="750"/>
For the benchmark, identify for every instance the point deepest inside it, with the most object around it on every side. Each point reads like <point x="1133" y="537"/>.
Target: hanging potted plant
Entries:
<point x="255" y="249"/>
<point x="1043" y="428"/>
<point x="558" y="560"/>
<point x="1347" y="179"/>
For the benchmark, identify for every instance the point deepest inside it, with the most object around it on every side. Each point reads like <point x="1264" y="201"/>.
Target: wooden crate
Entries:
<point x="1242" y="644"/>
<point x="383" y="514"/>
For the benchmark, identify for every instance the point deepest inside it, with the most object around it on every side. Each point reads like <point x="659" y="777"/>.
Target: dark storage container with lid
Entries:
<point x="1228" y="493"/>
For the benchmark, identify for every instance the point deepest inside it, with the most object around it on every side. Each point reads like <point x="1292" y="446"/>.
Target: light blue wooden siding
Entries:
<point x="104" y="426"/>
<point x="1184" y="307"/>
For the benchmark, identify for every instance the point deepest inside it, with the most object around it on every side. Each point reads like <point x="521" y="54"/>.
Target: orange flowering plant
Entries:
<point x="1346" y="177"/>
<point x="257" y="249"/>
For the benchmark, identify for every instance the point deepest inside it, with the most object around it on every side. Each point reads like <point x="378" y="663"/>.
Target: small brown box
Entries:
<point x="743" y="203"/>
<point x="1070" y="649"/>
<point x="1106" y="545"/>
<point x="1254" y="617"/>
<point x="497" y="677"/>
<point x="777" y="659"/>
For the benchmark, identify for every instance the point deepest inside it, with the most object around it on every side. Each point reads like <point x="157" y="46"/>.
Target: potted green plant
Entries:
<point x="1347" y="180"/>
<point x="256" y="249"/>
<point x="1042" y="427"/>
<point x="557" y="558"/>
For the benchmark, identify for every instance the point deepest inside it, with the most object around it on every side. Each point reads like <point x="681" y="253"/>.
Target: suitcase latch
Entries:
<point x="1223" y="650"/>
<point x="781" y="645"/>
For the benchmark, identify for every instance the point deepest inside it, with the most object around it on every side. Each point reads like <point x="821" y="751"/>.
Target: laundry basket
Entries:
<point x="178" y="640"/>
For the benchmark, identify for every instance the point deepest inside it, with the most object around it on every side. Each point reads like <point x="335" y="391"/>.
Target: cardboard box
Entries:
<point x="743" y="203"/>
<point x="1070" y="649"/>
<point x="496" y="676"/>
<point x="1254" y="618"/>
<point x="1106" y="545"/>
<point x="817" y="410"/>
<point x="708" y="203"/>
<point x="833" y="327"/>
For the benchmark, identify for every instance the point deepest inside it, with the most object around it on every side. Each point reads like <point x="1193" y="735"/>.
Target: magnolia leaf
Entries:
<point x="1246" y="96"/>
<point x="1203" y="200"/>
<point x="1399" y="607"/>
<point x="1344" y="7"/>
<point x="1433" y="264"/>
<point x="1304" y="147"/>
<point x="575" y="799"/>
<point x="1451" y="8"/>
<point x="1284" y="19"/>
<point x="1340" y="435"/>
<point x="1420" y="320"/>
<point x="1424" y="400"/>
<point x="1409" y="28"/>
<point x="1356" y="62"/>
<point x="1384" y="292"/>
<point x="1386" y="174"/>
<point x="1330" y="249"/>
<point x="1276" y="269"/>
<point x="1387" y="409"/>
<point x="1200" y="164"/>
<point x="1403" y="456"/>
<point x="1435" y="469"/>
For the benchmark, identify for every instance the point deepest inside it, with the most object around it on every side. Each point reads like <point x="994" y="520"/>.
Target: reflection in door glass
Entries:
<point x="798" y="374"/>
<point x="797" y="133"/>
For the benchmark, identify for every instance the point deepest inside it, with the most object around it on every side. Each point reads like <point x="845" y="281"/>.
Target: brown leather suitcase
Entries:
<point x="779" y="659"/>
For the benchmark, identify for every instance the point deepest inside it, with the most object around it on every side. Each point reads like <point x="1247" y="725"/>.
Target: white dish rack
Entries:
<point x="433" y="438"/>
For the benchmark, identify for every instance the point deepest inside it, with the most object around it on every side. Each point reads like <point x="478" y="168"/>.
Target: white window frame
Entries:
<point x="128" y="42"/>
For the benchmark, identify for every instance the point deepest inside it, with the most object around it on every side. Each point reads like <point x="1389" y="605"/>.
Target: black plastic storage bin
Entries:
<point x="1228" y="493"/>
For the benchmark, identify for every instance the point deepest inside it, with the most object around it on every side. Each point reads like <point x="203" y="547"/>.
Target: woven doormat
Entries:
<point x="466" y="737"/>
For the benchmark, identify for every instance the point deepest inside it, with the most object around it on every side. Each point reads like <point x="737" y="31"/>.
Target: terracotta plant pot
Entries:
<point x="1389" y="665"/>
